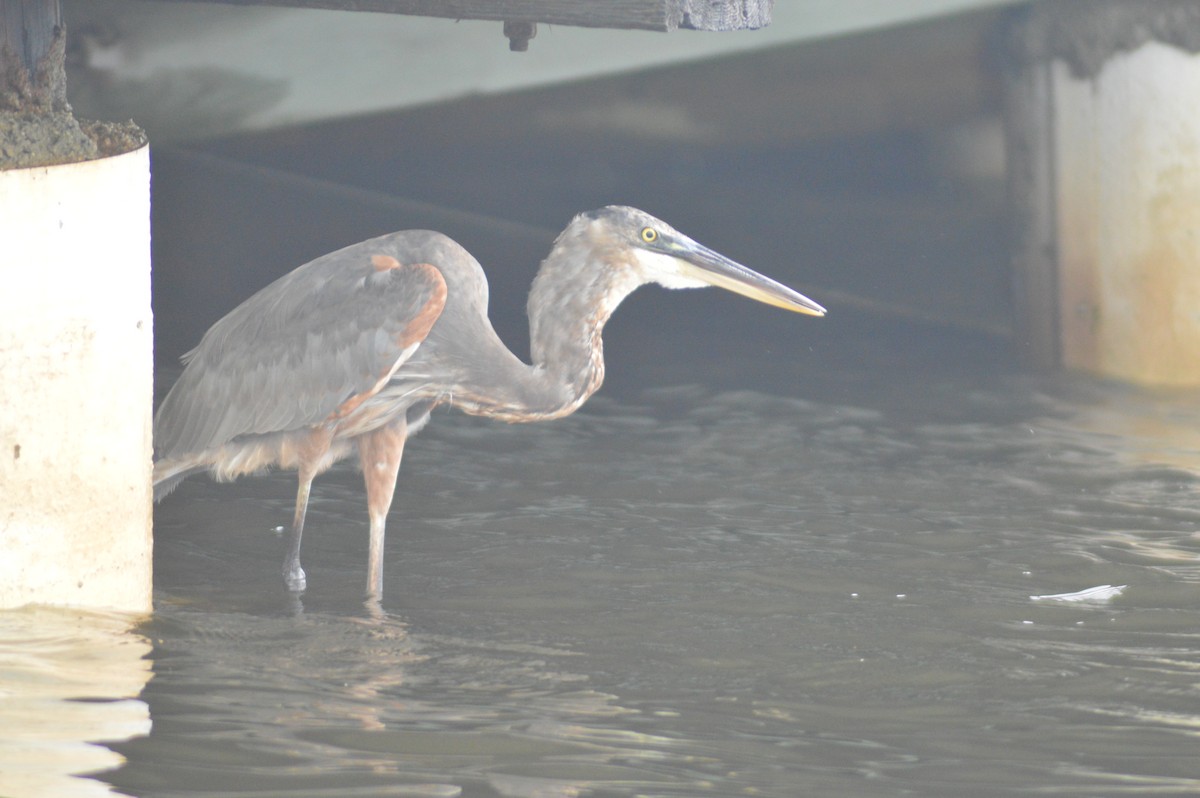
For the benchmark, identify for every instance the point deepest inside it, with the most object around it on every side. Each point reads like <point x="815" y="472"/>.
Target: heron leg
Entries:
<point x="293" y="574"/>
<point x="379" y="452"/>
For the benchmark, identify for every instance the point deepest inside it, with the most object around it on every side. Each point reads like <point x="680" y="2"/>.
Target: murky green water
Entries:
<point x="820" y="588"/>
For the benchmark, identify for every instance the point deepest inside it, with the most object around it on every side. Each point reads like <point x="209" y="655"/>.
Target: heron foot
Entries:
<point x="294" y="578"/>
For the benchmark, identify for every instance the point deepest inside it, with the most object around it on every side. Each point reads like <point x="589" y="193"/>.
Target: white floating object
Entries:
<point x="1098" y="594"/>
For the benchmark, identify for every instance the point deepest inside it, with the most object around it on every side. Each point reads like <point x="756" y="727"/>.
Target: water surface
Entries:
<point x="820" y="587"/>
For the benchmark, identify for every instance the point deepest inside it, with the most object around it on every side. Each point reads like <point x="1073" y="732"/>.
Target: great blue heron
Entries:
<point x="358" y="346"/>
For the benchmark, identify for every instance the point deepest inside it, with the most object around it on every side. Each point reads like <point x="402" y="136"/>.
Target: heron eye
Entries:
<point x="649" y="235"/>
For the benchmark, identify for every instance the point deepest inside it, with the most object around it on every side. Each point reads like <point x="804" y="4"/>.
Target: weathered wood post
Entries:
<point x="75" y="336"/>
<point x="1103" y="125"/>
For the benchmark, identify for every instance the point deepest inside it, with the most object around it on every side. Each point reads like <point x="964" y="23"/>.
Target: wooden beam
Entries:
<point x="656" y="15"/>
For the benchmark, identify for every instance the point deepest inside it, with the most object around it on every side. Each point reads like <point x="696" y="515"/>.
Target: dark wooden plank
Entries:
<point x="657" y="15"/>
<point x="727" y="15"/>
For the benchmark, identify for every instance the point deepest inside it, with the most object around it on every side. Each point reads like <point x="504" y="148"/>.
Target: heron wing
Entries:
<point x="327" y="334"/>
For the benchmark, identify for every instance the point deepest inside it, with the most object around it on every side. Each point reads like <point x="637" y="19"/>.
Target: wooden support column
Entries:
<point x="29" y="32"/>
<point x="1104" y="160"/>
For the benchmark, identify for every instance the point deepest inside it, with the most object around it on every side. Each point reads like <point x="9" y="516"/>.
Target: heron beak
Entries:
<point x="701" y="263"/>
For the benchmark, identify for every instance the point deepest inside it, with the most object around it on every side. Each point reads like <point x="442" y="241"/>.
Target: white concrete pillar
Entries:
<point x="76" y="367"/>
<point x="1128" y="178"/>
<point x="1103" y="122"/>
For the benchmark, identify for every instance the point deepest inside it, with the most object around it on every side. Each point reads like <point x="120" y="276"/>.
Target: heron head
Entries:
<point x="663" y="255"/>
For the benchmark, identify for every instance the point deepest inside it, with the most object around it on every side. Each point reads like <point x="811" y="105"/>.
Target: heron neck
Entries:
<point x="572" y="298"/>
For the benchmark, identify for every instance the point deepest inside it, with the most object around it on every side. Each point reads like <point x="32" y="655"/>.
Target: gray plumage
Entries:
<point x="357" y="346"/>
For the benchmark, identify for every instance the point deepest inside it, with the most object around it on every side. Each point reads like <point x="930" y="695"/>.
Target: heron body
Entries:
<point x="354" y="349"/>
